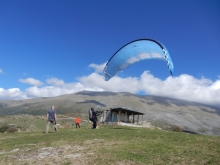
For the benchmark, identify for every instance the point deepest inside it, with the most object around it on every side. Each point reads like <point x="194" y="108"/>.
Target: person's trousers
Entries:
<point x="94" y="123"/>
<point x="54" y="125"/>
<point x="77" y="124"/>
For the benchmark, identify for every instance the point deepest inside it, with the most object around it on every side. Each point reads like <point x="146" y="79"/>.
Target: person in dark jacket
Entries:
<point x="93" y="118"/>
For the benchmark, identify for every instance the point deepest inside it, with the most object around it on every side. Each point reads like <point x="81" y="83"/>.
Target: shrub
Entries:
<point x="11" y="129"/>
<point x="8" y="129"/>
<point x="3" y="129"/>
<point x="177" y="128"/>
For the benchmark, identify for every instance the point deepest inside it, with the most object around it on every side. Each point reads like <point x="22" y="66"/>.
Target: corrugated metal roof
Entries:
<point x="125" y="109"/>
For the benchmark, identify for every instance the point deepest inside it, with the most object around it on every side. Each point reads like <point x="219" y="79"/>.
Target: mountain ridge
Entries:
<point x="160" y="111"/>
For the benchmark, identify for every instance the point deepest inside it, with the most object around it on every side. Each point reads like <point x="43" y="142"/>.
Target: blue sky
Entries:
<point x="49" y="48"/>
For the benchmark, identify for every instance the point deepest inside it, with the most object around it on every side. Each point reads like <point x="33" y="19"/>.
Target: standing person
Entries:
<point x="92" y="117"/>
<point x="51" y="118"/>
<point x="77" y="121"/>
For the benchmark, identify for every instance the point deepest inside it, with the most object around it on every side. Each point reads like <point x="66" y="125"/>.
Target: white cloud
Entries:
<point x="115" y="84"/>
<point x="55" y="82"/>
<point x="1" y="70"/>
<point x="31" y="81"/>
<point x="98" y="68"/>
<point x="57" y="87"/>
<point x="184" y="87"/>
<point x="12" y="94"/>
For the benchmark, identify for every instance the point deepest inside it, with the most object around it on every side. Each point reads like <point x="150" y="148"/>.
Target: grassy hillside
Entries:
<point x="160" y="111"/>
<point x="108" y="145"/>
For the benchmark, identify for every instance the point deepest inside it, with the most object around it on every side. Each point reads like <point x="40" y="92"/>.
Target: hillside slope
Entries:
<point x="160" y="111"/>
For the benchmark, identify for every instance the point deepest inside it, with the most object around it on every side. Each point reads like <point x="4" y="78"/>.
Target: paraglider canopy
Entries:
<point x="135" y="51"/>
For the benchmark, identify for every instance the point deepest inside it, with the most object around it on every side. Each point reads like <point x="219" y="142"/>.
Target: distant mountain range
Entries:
<point x="160" y="111"/>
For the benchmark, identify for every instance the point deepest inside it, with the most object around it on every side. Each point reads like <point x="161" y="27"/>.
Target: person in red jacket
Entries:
<point x="77" y="121"/>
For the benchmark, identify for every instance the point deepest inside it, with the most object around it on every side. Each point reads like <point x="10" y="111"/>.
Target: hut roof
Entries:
<point x="125" y="109"/>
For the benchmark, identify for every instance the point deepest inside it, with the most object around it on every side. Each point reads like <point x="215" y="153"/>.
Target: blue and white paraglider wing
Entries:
<point x="135" y="51"/>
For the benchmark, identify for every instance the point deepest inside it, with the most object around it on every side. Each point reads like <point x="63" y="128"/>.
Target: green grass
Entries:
<point x="111" y="145"/>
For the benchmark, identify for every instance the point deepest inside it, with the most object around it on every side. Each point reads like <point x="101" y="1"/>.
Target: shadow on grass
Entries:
<point x="190" y="132"/>
<point x="121" y="128"/>
<point x="49" y="132"/>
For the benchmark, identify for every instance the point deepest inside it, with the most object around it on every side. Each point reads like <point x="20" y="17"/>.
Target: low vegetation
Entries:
<point x="177" y="128"/>
<point x="110" y="144"/>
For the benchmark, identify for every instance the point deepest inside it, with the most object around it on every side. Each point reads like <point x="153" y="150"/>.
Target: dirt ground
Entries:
<point x="62" y="155"/>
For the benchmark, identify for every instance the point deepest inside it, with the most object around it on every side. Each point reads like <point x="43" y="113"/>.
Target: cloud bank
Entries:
<point x="184" y="87"/>
<point x="31" y="81"/>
